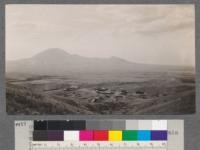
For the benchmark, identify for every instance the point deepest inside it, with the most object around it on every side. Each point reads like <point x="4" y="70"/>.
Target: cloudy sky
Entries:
<point x="152" y="34"/>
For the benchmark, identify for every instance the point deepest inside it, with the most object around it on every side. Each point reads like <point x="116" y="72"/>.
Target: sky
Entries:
<point x="149" y="34"/>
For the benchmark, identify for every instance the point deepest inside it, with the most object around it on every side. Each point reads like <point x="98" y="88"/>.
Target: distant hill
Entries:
<point x="56" y="61"/>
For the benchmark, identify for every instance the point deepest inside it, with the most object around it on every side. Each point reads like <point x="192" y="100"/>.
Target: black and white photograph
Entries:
<point x="100" y="59"/>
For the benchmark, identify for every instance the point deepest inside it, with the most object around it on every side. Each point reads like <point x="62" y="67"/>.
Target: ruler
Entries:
<point x="99" y="145"/>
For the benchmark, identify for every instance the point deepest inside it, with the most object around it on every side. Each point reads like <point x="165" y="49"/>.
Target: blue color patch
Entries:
<point x="144" y="135"/>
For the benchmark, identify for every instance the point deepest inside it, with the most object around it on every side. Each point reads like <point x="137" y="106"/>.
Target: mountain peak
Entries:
<point x="55" y="61"/>
<point x="52" y="53"/>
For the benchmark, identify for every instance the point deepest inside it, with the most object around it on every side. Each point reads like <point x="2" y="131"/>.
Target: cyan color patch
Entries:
<point x="144" y="135"/>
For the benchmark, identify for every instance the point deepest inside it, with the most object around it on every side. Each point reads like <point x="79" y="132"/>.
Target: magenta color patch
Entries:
<point x="86" y="135"/>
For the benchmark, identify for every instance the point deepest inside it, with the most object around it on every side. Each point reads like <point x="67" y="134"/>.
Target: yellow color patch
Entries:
<point x="115" y="135"/>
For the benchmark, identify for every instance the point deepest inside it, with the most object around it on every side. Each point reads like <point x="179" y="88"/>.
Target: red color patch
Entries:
<point x="100" y="135"/>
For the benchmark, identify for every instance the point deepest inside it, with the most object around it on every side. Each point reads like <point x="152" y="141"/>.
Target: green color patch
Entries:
<point x="129" y="135"/>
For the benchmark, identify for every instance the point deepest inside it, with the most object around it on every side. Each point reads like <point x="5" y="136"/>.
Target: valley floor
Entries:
<point x="154" y="93"/>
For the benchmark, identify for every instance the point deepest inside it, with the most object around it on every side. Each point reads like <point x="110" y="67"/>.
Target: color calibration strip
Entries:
<point x="100" y="135"/>
<point x="103" y="134"/>
<point x="81" y="130"/>
<point x="101" y="125"/>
